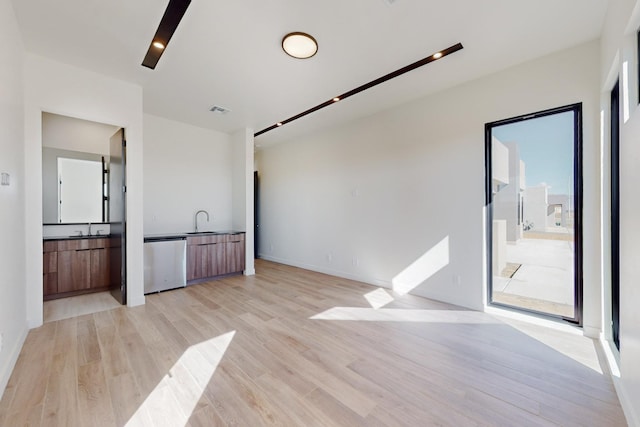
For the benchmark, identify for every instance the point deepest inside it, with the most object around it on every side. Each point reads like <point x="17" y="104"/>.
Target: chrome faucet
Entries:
<point x="89" y="230"/>
<point x="199" y="212"/>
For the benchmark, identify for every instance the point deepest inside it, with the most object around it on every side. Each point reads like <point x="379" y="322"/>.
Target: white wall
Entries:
<point x="369" y="198"/>
<point x="243" y="201"/>
<point x="186" y="168"/>
<point x="68" y="133"/>
<point x="13" y="316"/>
<point x="535" y="207"/>
<point x="618" y="49"/>
<point x="506" y="201"/>
<point x="70" y="91"/>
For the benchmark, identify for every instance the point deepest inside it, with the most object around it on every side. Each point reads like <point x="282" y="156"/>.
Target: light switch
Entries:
<point x="6" y="178"/>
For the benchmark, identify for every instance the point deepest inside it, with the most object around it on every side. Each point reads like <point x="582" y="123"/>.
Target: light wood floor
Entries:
<point x="65" y="308"/>
<point x="295" y="348"/>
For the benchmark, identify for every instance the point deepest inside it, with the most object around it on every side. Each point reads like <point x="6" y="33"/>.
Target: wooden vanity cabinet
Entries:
<point x="81" y="266"/>
<point x="73" y="270"/>
<point x="99" y="268"/>
<point x="50" y="268"/>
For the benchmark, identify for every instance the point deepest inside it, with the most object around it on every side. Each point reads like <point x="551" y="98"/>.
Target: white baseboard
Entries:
<point x="13" y="358"/>
<point x="633" y="419"/>
<point x="332" y="272"/>
<point x="613" y="360"/>
<point x="361" y="278"/>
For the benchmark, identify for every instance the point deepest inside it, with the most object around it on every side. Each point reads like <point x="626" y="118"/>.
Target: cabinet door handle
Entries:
<point x="82" y="250"/>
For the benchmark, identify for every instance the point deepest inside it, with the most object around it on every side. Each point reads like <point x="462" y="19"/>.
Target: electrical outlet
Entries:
<point x="456" y="279"/>
<point x="355" y="261"/>
<point x="329" y="257"/>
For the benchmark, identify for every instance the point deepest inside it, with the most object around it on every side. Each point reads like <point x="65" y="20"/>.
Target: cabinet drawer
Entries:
<point x="100" y="243"/>
<point x="205" y="240"/>
<point x="235" y="237"/>
<point x="73" y="245"/>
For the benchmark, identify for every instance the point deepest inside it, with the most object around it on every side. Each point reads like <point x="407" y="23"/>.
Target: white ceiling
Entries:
<point x="228" y="53"/>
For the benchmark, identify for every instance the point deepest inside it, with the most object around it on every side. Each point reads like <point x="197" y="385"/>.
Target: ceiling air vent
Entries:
<point x="389" y="2"/>
<point x="220" y="110"/>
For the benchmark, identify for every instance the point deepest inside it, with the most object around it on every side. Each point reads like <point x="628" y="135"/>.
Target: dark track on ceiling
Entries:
<point x="434" y="57"/>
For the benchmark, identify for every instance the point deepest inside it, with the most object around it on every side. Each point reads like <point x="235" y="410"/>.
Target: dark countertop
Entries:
<point x="95" y="236"/>
<point x="180" y="236"/>
<point x="148" y="237"/>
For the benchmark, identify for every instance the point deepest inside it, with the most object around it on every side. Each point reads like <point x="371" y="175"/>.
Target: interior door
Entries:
<point x="256" y="212"/>
<point x="117" y="216"/>
<point x="615" y="214"/>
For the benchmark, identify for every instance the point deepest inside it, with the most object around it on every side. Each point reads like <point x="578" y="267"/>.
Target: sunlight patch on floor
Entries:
<point x="378" y="298"/>
<point x="404" y="315"/>
<point x="173" y="400"/>
<point x="572" y="344"/>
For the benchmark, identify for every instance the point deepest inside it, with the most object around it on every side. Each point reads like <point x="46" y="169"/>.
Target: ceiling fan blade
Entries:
<point x="170" y="20"/>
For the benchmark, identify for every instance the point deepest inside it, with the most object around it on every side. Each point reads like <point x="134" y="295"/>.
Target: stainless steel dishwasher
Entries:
<point x="165" y="263"/>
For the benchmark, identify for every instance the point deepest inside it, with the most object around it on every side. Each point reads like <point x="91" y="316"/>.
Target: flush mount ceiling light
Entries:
<point x="299" y="45"/>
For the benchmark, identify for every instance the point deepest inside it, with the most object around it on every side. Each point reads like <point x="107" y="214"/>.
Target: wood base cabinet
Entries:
<point x="75" y="266"/>
<point x="214" y="255"/>
<point x="234" y="249"/>
<point x="50" y="268"/>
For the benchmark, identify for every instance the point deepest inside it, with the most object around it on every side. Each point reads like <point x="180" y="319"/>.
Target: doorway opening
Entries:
<point x="534" y="212"/>
<point x="83" y="207"/>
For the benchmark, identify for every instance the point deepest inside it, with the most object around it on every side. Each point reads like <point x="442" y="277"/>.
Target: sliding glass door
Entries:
<point x="534" y="201"/>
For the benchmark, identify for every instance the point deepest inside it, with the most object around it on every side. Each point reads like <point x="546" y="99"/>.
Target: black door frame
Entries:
<point x="256" y="213"/>
<point x="118" y="285"/>
<point x="615" y="214"/>
<point x="577" y="182"/>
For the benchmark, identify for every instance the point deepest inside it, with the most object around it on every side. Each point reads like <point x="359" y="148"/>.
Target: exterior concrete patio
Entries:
<point x="544" y="280"/>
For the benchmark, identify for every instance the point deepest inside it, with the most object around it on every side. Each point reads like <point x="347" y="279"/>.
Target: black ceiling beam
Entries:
<point x="448" y="51"/>
<point x="170" y="20"/>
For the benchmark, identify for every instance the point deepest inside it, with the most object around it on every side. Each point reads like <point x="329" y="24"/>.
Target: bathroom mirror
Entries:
<point x="80" y="191"/>
<point x="74" y="187"/>
<point x="75" y="164"/>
